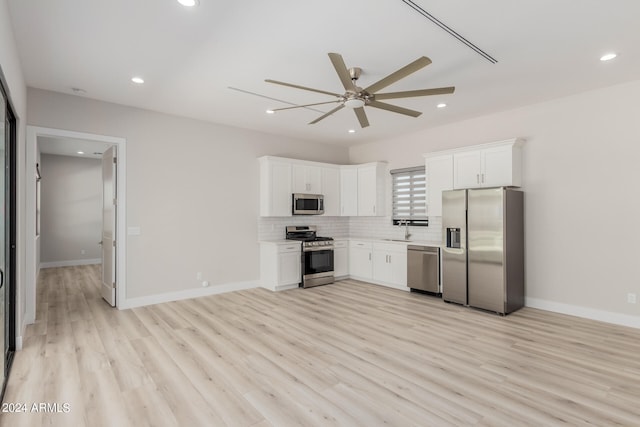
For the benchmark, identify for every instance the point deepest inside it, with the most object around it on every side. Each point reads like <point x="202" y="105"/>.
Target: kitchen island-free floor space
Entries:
<point x="350" y="353"/>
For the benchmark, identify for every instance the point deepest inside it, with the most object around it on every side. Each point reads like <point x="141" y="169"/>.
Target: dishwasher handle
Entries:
<point x="427" y="249"/>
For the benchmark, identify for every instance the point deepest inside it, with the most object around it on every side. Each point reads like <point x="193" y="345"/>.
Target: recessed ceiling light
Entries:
<point x="352" y="131"/>
<point x="80" y="152"/>
<point x="270" y="112"/>
<point x="188" y="3"/>
<point x="608" y="57"/>
<point x="441" y="105"/>
<point x="137" y="80"/>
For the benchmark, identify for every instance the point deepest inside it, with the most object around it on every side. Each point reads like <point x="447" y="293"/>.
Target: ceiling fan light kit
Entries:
<point x="357" y="98"/>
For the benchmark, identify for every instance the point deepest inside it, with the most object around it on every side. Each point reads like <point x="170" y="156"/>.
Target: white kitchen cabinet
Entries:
<point x="439" y="174"/>
<point x="275" y="187"/>
<point x="357" y="190"/>
<point x="360" y="261"/>
<point x="390" y="264"/>
<point x="280" y="265"/>
<point x="307" y="179"/>
<point x="489" y="165"/>
<point x="341" y="258"/>
<point x="348" y="191"/>
<point x="371" y="185"/>
<point x="331" y="191"/>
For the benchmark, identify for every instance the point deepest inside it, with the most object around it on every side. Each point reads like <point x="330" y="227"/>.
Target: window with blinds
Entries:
<point x="409" y="196"/>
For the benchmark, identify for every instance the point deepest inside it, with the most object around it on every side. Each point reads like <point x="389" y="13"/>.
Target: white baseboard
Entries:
<point x="186" y="294"/>
<point x="19" y="343"/>
<point x="584" y="312"/>
<point x="378" y="282"/>
<point x="70" y="263"/>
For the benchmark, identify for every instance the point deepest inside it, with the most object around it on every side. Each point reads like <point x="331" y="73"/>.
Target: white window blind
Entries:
<point x="409" y="196"/>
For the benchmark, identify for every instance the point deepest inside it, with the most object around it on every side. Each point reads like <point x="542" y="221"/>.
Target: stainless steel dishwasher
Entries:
<point x="423" y="268"/>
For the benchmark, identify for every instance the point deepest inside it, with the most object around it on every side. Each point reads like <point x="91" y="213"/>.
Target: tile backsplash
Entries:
<point x="273" y="228"/>
<point x="381" y="228"/>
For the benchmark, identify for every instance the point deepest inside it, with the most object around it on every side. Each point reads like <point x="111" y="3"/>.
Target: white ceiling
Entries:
<point x="190" y="57"/>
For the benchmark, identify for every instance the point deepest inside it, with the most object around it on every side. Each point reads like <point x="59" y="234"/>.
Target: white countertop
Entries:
<point x="398" y="241"/>
<point x="362" y="239"/>
<point x="280" y="242"/>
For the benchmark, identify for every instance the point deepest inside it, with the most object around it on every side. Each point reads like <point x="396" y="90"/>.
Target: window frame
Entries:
<point x="416" y="178"/>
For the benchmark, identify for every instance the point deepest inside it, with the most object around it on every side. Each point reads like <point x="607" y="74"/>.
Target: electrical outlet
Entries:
<point x="199" y="275"/>
<point x="205" y="284"/>
<point x="82" y="252"/>
<point x="631" y="298"/>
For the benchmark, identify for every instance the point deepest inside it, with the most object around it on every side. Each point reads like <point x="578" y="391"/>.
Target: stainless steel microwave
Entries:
<point x="307" y="204"/>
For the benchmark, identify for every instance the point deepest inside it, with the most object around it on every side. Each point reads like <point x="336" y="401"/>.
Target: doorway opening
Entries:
<point x="8" y="235"/>
<point x="48" y="141"/>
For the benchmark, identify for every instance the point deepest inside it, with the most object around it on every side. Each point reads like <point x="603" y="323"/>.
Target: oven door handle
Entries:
<point x="317" y="248"/>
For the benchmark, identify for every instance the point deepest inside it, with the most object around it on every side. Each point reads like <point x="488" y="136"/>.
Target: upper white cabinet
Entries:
<point x="371" y="185"/>
<point x="349" y="191"/>
<point x="497" y="164"/>
<point x="275" y="187"/>
<point x="331" y="190"/>
<point x="357" y="190"/>
<point x="439" y="171"/>
<point x="489" y="165"/>
<point x="307" y="179"/>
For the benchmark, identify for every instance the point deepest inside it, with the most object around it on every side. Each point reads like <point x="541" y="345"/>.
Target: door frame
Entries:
<point x="31" y="258"/>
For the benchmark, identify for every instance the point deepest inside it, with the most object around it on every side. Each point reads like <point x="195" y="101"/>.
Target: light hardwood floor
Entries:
<point x="344" y="354"/>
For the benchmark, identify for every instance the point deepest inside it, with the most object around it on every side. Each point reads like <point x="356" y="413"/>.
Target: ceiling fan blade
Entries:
<point x="403" y="72"/>
<point x="306" y="105"/>
<point x="362" y="117"/>
<point x="393" y="108"/>
<point x="327" y="114"/>
<point x="341" y="69"/>
<point x="412" y="93"/>
<point x="302" y="87"/>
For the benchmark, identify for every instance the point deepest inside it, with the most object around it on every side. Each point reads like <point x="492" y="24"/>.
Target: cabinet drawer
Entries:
<point x="360" y="244"/>
<point x="294" y="247"/>
<point x="390" y="247"/>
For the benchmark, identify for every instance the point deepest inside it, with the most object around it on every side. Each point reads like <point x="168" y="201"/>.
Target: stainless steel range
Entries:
<point x="317" y="255"/>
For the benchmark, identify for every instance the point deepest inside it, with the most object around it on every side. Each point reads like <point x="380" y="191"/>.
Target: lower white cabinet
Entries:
<point x="378" y="262"/>
<point x="360" y="262"/>
<point x="340" y="258"/>
<point x="390" y="264"/>
<point x="280" y="264"/>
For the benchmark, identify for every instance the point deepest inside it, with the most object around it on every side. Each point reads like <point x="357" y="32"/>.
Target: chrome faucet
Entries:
<point x="406" y="229"/>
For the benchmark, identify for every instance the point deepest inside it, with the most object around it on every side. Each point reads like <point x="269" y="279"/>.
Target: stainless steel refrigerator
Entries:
<point x="483" y="253"/>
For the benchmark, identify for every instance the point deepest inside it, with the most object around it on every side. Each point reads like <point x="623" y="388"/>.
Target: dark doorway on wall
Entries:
<point x="8" y="247"/>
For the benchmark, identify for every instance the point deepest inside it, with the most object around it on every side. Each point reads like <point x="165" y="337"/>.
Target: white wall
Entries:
<point x="10" y="66"/>
<point x="71" y="223"/>
<point x="192" y="188"/>
<point x="581" y="176"/>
